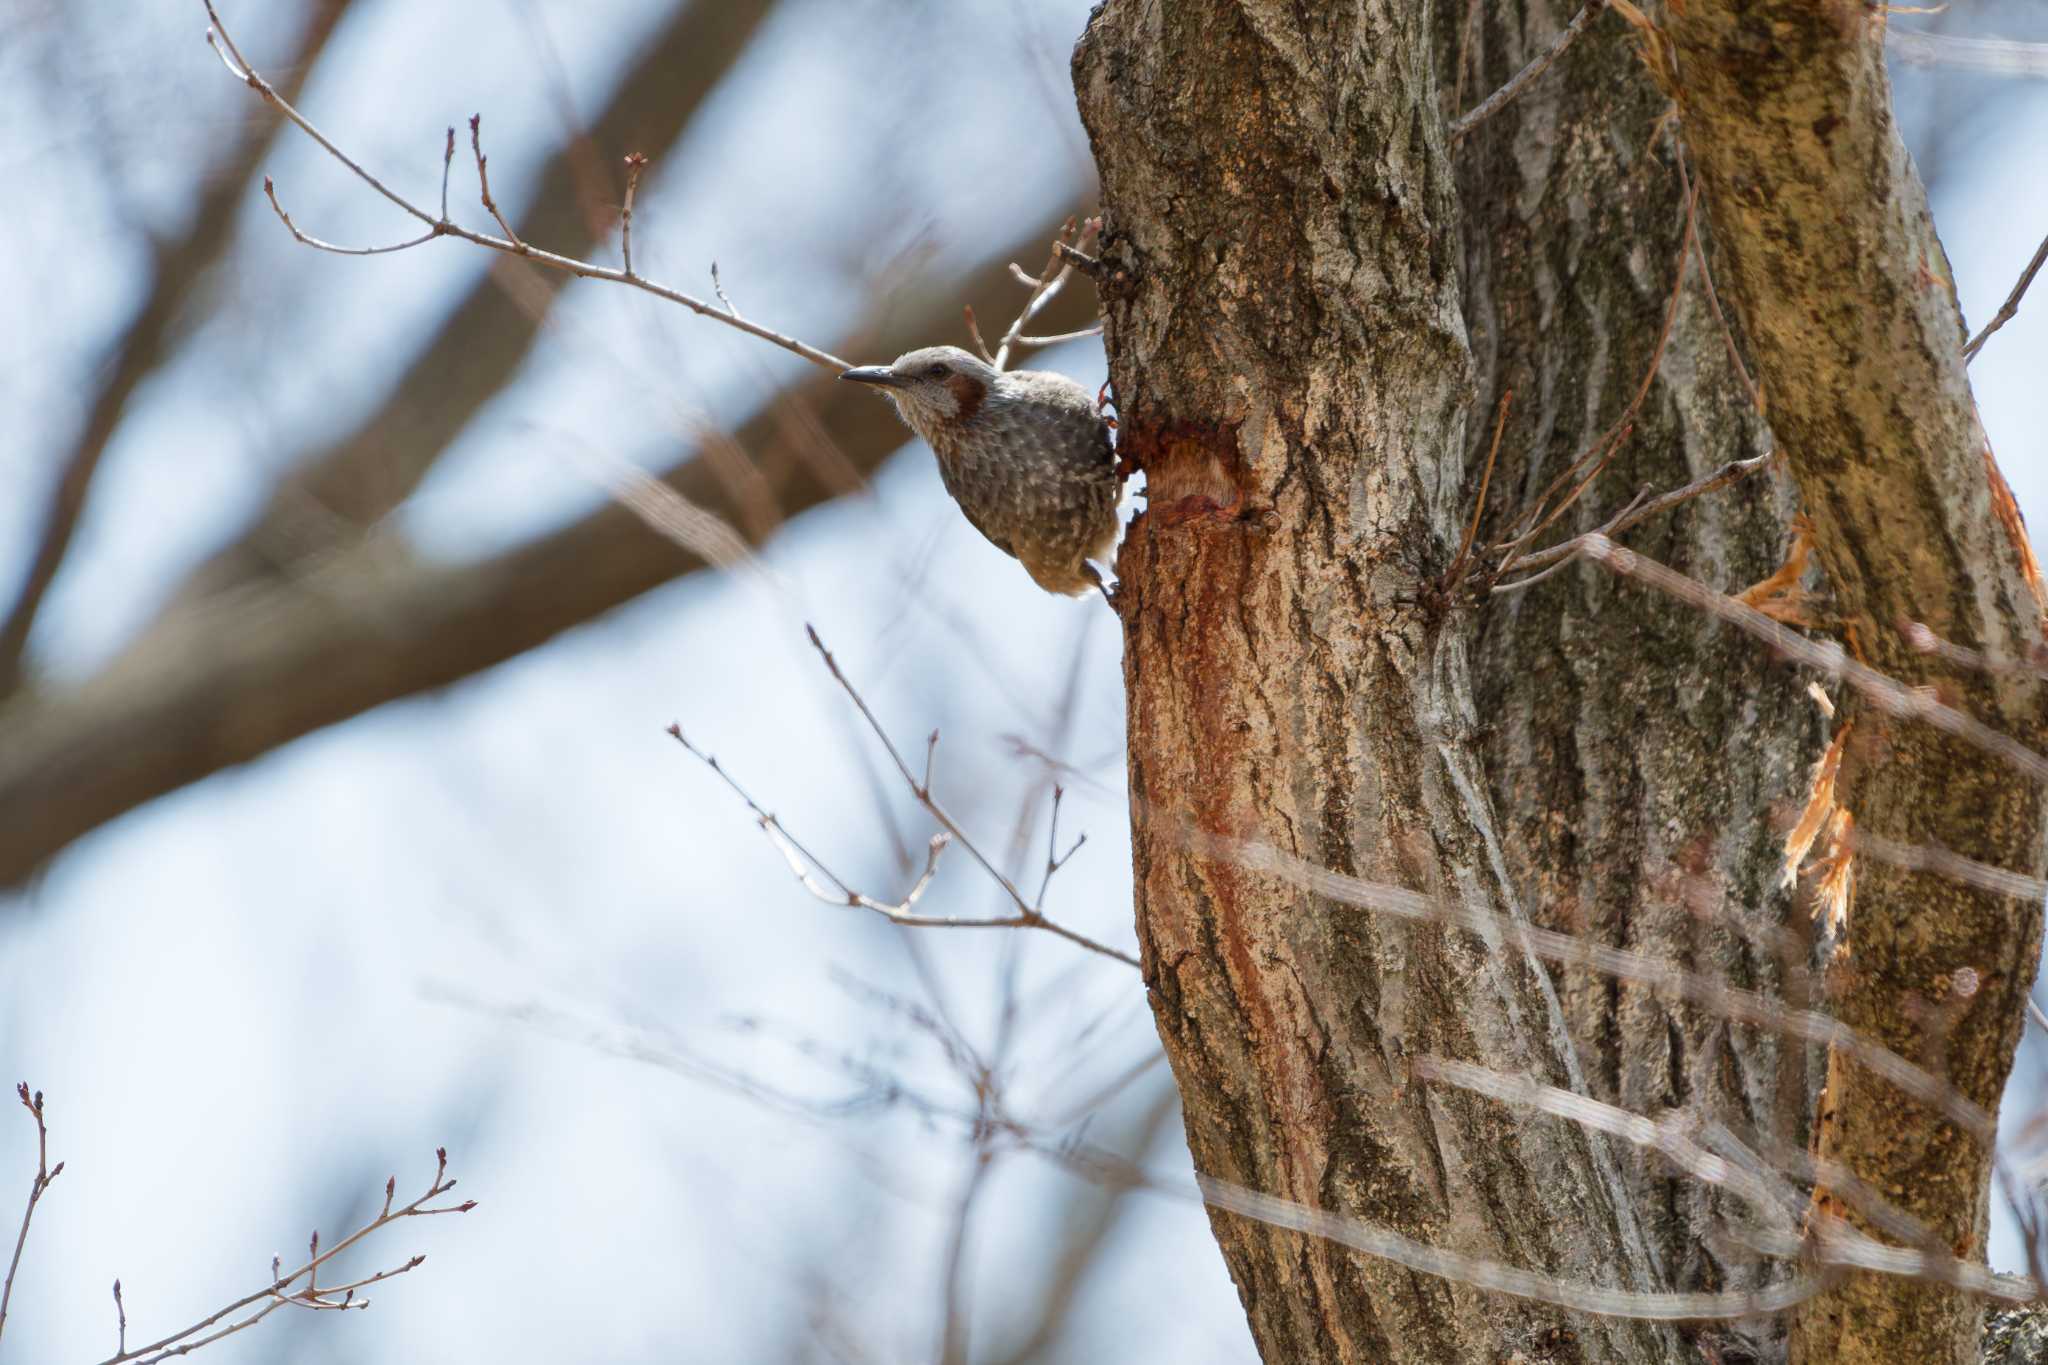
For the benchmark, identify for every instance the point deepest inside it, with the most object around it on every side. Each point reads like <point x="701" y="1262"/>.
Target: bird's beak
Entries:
<point x="875" y="374"/>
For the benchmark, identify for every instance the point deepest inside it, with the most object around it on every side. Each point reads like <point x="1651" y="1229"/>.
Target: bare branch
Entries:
<point x="43" y="1176"/>
<point x="974" y="328"/>
<point x="1054" y="859"/>
<point x="2008" y="310"/>
<point x="1561" y="556"/>
<point x="1085" y="332"/>
<point x="1671" y="1136"/>
<point x="1994" y="56"/>
<point x="1923" y="639"/>
<point x="636" y="163"/>
<point x="1044" y="288"/>
<point x="803" y="863"/>
<point x="1028" y="914"/>
<point x="1500" y="98"/>
<point x="1732" y="472"/>
<point x="279" y="1292"/>
<point x="1500" y="424"/>
<point x="320" y="244"/>
<point x="483" y="181"/>
<point x="510" y="244"/>
<point x="1943" y="862"/>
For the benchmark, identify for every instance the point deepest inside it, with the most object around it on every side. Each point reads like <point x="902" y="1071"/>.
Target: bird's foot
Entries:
<point x="1111" y="594"/>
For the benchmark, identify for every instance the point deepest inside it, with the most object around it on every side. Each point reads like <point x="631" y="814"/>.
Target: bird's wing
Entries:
<point x="987" y="534"/>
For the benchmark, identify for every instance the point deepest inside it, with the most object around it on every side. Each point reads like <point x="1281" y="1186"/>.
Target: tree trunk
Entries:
<point x="1639" y="754"/>
<point x="1304" y="296"/>
<point x="1846" y="290"/>
<point x="1280" y="278"/>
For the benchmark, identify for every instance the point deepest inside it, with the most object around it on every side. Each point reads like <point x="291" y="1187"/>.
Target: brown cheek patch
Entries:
<point x="967" y="393"/>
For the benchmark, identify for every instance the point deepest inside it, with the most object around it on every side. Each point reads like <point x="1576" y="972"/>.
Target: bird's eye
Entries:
<point x="937" y="372"/>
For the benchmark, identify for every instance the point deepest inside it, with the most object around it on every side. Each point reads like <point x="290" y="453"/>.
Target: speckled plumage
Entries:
<point x="1025" y="453"/>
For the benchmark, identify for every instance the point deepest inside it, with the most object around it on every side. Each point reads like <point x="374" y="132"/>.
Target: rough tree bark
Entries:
<point x="1835" y="267"/>
<point x="1291" y="265"/>
<point x="1639" y="756"/>
<point x="1280" y="278"/>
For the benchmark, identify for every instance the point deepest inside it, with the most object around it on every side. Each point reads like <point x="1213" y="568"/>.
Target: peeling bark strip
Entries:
<point x="1830" y="256"/>
<point x="1280" y="272"/>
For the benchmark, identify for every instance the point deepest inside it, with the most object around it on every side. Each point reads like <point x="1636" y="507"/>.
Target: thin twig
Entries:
<point x="483" y="181"/>
<point x="1923" y="639"/>
<point x="1571" y="549"/>
<point x="802" y="862"/>
<point x="1671" y="1136"/>
<point x="1083" y="334"/>
<point x="1947" y="863"/>
<point x="1499" y="99"/>
<point x="974" y="328"/>
<point x="279" y="1293"/>
<point x="1054" y="859"/>
<point x="953" y="1304"/>
<point x="1464" y="53"/>
<point x="1506" y="1279"/>
<point x="636" y="163"/>
<point x="1732" y="472"/>
<point x="718" y="288"/>
<point x="807" y="867"/>
<point x="1027" y="913"/>
<point x="308" y="239"/>
<point x="1604" y="450"/>
<point x="2011" y="307"/>
<point x="223" y="46"/>
<point x="1356" y="1233"/>
<point x="1045" y="288"/>
<point x="44" y="1175"/>
<point x="447" y="165"/>
<point x="1500" y="424"/>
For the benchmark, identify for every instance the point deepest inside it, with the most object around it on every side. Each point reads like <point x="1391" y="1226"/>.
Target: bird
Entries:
<point x="1025" y="453"/>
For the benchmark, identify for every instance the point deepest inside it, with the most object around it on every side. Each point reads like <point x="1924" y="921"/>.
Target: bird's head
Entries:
<point x="933" y="386"/>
